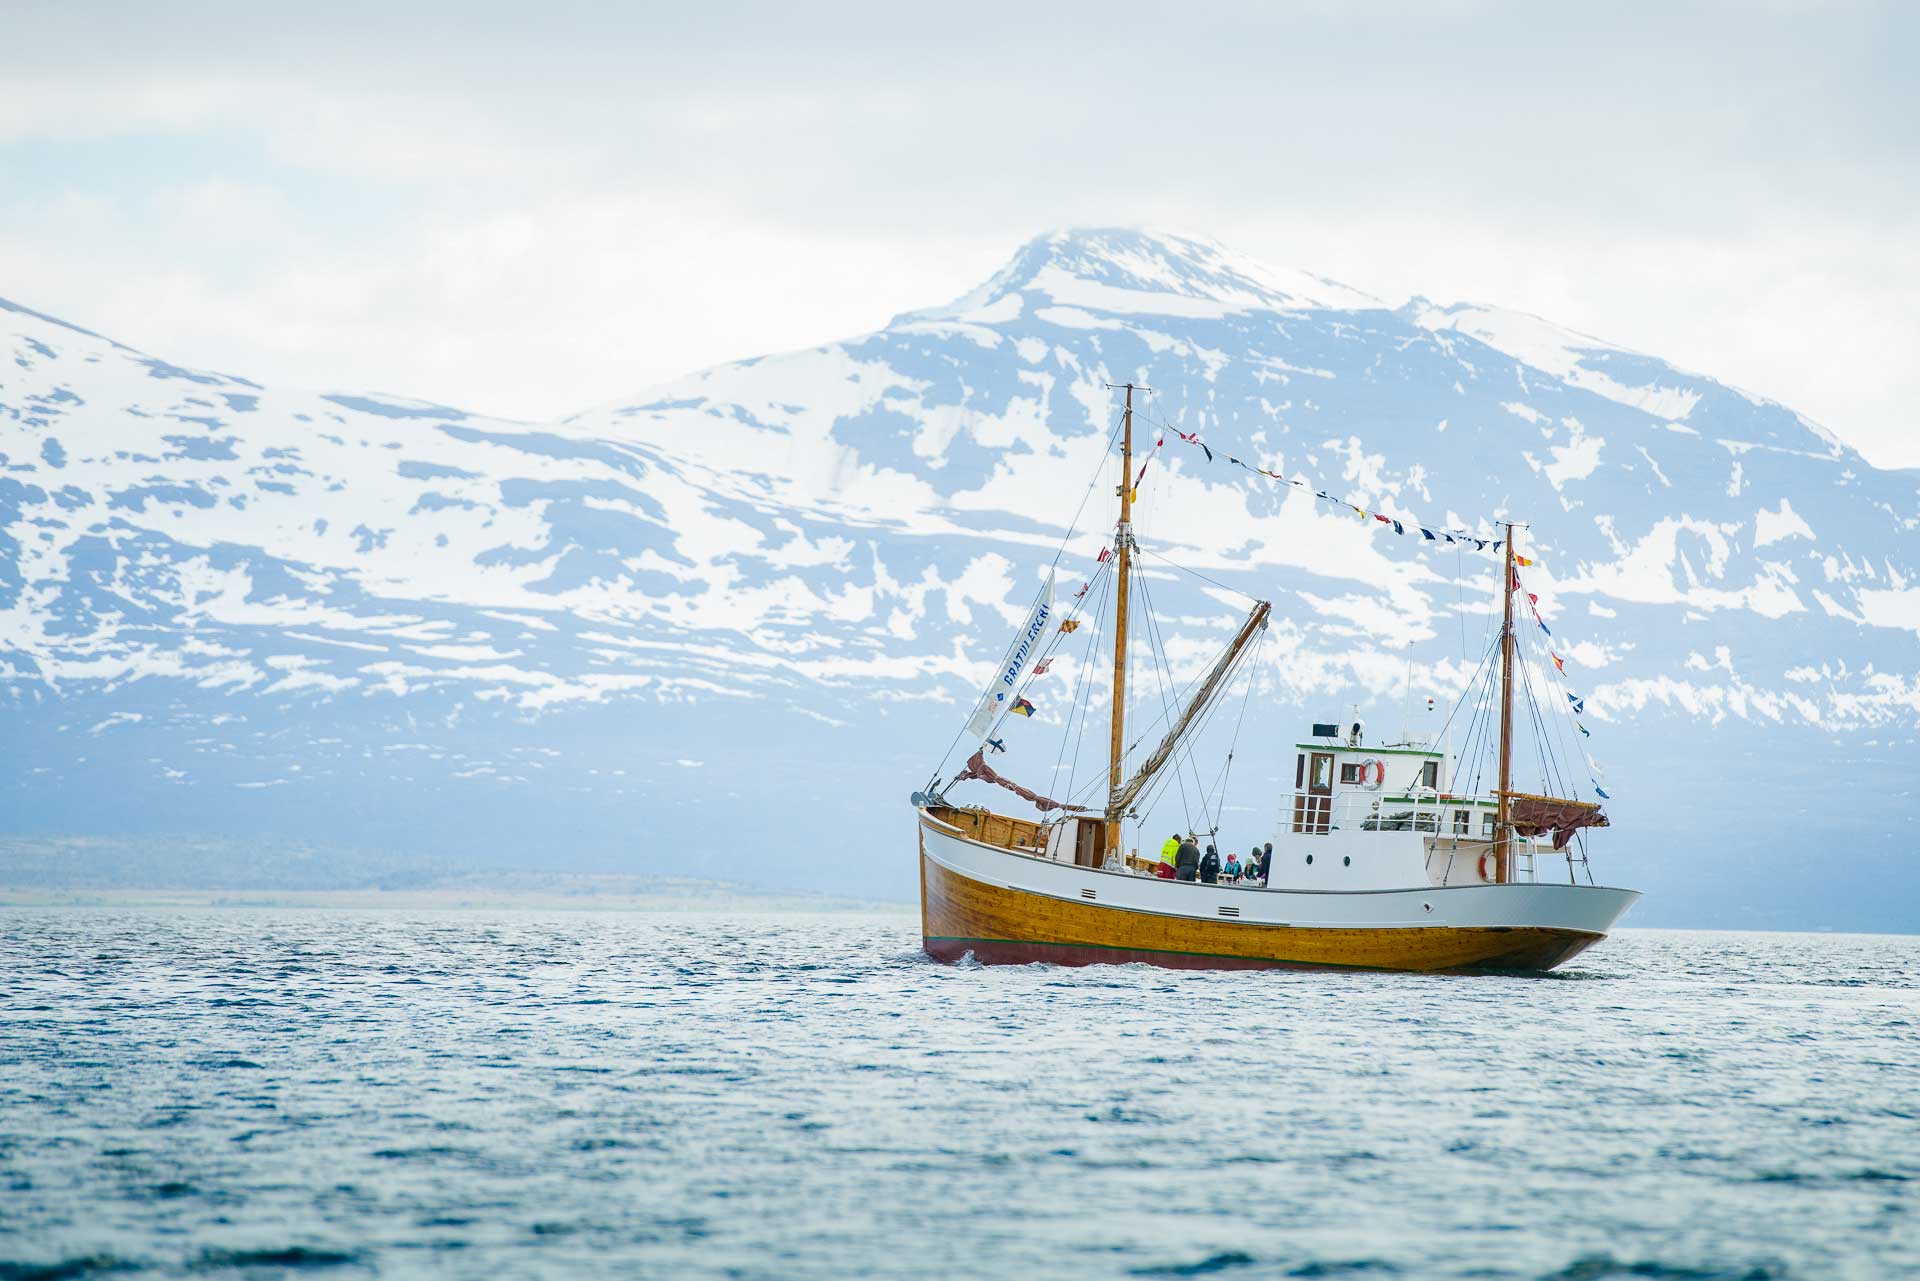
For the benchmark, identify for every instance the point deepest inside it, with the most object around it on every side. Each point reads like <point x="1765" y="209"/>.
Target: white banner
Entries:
<point x="1027" y="645"/>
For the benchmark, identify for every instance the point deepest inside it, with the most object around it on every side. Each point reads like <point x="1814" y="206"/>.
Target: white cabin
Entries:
<point x="1364" y="817"/>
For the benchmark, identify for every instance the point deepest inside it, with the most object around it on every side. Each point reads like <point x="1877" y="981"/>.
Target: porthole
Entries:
<point x="1309" y="859"/>
<point x="1426" y="907"/>
<point x="1346" y="861"/>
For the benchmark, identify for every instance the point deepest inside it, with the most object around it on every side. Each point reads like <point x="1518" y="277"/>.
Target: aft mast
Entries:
<point x="1503" y="822"/>
<point x="1123" y="557"/>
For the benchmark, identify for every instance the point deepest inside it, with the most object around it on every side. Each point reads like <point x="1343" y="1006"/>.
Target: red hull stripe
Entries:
<point x="1029" y="952"/>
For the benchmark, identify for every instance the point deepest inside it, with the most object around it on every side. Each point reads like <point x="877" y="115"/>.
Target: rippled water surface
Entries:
<point x="268" y="1092"/>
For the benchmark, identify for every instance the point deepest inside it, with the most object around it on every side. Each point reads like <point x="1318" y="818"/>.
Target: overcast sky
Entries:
<point x="528" y="210"/>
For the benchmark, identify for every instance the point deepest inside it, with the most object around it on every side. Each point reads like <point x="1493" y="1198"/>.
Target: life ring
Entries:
<point x="1489" y="865"/>
<point x="1373" y="773"/>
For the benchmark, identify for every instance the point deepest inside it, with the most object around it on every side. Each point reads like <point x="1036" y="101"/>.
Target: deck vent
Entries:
<point x="1089" y="894"/>
<point x="1229" y="911"/>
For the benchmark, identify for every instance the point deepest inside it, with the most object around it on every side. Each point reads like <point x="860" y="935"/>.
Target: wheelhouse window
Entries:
<point x="1349" y="772"/>
<point x="1462" y="822"/>
<point x="1430" y="775"/>
<point x="1486" y="826"/>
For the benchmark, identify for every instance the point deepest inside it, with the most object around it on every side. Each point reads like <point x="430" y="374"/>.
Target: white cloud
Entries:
<point x="527" y="217"/>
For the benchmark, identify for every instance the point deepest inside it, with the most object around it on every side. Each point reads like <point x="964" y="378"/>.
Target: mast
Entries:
<point x="1123" y="554"/>
<point x="1503" y="835"/>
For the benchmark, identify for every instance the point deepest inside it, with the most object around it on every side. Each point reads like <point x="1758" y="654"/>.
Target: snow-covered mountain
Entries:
<point x="726" y="626"/>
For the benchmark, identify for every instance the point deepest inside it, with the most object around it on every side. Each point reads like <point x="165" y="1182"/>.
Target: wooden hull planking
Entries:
<point x="1000" y="925"/>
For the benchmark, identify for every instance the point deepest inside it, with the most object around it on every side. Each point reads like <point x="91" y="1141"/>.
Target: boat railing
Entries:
<point x="1433" y="813"/>
<point x="1424" y="810"/>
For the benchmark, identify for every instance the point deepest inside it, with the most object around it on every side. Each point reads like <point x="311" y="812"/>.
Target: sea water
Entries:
<point x="581" y="1094"/>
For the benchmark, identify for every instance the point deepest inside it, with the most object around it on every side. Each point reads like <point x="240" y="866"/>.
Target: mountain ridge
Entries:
<point x="386" y="620"/>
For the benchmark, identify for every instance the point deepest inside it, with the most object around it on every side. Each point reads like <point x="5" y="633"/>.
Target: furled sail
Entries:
<point x="1000" y="691"/>
<point x="1535" y="815"/>
<point x="977" y="767"/>
<point x="1122" y="798"/>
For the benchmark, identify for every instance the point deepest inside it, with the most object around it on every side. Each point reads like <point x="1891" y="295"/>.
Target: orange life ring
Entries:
<point x="1488" y="866"/>
<point x="1373" y="773"/>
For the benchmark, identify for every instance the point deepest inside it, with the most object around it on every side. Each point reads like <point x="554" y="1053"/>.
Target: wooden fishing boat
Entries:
<point x="1381" y="858"/>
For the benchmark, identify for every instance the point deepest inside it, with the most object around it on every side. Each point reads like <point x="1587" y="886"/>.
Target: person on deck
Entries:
<point x="1266" y="862"/>
<point x="1210" y="866"/>
<point x="1232" y="869"/>
<point x="1186" y="864"/>
<point x="1168" y="854"/>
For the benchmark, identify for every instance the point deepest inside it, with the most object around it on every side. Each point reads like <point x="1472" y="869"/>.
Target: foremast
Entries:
<point x="1121" y="795"/>
<point x="1503" y="820"/>
<point x="1123" y="569"/>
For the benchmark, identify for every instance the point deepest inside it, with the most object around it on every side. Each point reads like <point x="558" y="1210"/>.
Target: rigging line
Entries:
<point x="1562" y="781"/>
<point x="1199" y="727"/>
<point x="1157" y="636"/>
<point x="1072" y="528"/>
<point x="1147" y="614"/>
<point x="1184" y="691"/>
<point x="1080" y="685"/>
<point x="1459" y="600"/>
<point x="1157" y="721"/>
<point x="1541" y="750"/>
<point x="1054" y="640"/>
<point x="1197" y="574"/>
<point x="1585" y="757"/>
<point x="1466" y="691"/>
<point x="1465" y="765"/>
<point x="1157" y="648"/>
<point x="1074" y="525"/>
<point x="1004" y="655"/>
<point x="1480" y="732"/>
<point x="1087" y="713"/>
<point x="1307" y="486"/>
<point x="1156" y="786"/>
<point x="1246" y="699"/>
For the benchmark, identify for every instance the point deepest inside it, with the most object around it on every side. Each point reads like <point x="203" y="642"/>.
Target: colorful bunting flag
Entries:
<point x="1400" y="527"/>
<point x="1070" y="625"/>
<point x="1021" y="707"/>
<point x="1040" y="668"/>
<point x="996" y="745"/>
<point x="1575" y="702"/>
<point x="1106" y="554"/>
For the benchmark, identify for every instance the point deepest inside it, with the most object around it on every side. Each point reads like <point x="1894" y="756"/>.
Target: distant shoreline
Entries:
<point x="450" y="898"/>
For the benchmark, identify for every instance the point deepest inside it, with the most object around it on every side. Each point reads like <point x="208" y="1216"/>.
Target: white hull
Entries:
<point x="1587" y="909"/>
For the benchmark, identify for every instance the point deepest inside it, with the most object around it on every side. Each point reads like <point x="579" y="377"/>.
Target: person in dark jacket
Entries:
<point x="1210" y="866"/>
<point x="1186" y="865"/>
<point x="1266" y="862"/>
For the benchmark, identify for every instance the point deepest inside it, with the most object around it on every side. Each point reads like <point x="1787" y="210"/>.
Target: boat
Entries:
<point x="1387" y="856"/>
